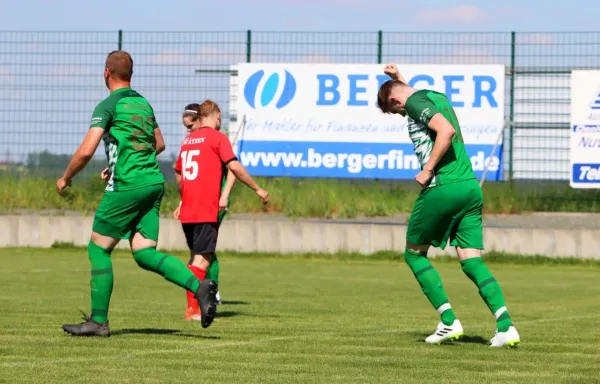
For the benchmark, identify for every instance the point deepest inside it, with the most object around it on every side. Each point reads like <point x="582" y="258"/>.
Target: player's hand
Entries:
<point x="176" y="212"/>
<point x="424" y="178"/>
<point x="223" y="203"/>
<point x="105" y="175"/>
<point x="392" y="71"/>
<point x="264" y="195"/>
<point x="61" y="185"/>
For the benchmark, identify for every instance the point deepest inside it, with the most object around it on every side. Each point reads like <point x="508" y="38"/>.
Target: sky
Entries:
<point x="300" y="15"/>
<point x="59" y="74"/>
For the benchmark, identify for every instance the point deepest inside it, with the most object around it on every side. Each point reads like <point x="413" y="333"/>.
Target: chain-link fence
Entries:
<point x="51" y="81"/>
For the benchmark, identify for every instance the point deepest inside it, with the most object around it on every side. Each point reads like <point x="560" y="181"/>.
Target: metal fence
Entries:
<point x="51" y="81"/>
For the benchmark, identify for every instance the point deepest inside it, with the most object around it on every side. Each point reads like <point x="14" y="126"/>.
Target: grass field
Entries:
<point x="293" y="320"/>
<point x="326" y="198"/>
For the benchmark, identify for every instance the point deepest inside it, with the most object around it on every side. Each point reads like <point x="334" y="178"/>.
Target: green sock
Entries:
<point x="213" y="271"/>
<point x="489" y="290"/>
<point x="101" y="282"/>
<point x="431" y="284"/>
<point x="169" y="267"/>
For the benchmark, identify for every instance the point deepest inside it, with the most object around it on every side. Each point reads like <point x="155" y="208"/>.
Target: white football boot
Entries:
<point x="446" y="333"/>
<point x="218" y="298"/>
<point x="508" y="339"/>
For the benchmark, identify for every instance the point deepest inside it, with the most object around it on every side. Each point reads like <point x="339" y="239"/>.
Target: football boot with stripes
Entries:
<point x="446" y="333"/>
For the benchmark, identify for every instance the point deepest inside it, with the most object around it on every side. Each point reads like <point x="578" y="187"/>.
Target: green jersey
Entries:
<point x="129" y="123"/>
<point x="455" y="165"/>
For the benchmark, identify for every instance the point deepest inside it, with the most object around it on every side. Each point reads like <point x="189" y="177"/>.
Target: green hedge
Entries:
<point x="324" y="198"/>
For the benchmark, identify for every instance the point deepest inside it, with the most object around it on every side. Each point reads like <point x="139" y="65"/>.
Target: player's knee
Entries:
<point x="139" y="242"/>
<point x="102" y="241"/>
<point x="467" y="253"/>
<point x="146" y="258"/>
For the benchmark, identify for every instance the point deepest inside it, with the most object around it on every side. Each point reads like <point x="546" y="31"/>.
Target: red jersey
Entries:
<point x="200" y="163"/>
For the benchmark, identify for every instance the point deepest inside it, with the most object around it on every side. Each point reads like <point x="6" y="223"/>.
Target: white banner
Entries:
<point x="321" y="120"/>
<point x="585" y="129"/>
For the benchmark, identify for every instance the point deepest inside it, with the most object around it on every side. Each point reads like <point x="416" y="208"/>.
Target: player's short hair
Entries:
<point x="383" y="96"/>
<point x="207" y="108"/>
<point x="120" y="65"/>
<point x="191" y="110"/>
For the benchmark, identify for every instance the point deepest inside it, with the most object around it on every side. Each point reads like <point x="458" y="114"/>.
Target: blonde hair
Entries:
<point x="207" y="108"/>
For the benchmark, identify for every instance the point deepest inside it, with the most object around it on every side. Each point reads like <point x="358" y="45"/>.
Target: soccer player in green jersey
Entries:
<point x="192" y="311"/>
<point x="449" y="206"/>
<point x="130" y="206"/>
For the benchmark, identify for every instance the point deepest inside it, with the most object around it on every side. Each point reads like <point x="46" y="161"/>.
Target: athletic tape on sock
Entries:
<point x="443" y="308"/>
<point x="500" y="311"/>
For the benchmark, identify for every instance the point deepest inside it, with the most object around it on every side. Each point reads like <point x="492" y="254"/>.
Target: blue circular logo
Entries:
<point x="270" y="90"/>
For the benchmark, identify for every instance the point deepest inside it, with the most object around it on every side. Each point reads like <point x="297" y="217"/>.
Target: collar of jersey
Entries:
<point x="121" y="89"/>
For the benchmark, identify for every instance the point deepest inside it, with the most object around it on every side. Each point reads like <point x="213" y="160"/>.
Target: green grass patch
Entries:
<point x="323" y="198"/>
<point x="67" y="248"/>
<point x="293" y="321"/>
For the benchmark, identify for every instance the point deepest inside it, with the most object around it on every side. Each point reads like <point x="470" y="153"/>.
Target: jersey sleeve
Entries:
<point x="102" y="116"/>
<point x="420" y="108"/>
<point x="152" y="121"/>
<point x="224" y="150"/>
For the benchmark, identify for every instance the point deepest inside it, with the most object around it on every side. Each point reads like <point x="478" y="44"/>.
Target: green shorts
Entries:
<point x="122" y="214"/>
<point x="448" y="212"/>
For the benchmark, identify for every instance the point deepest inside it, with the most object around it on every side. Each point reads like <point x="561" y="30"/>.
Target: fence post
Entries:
<point x="379" y="46"/>
<point x="120" y="43"/>
<point x="248" y="46"/>
<point x="511" y="105"/>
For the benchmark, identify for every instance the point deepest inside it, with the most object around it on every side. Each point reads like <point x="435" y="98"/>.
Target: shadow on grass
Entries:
<point x="235" y="302"/>
<point x="473" y="340"/>
<point x="225" y="314"/>
<point x="420" y="338"/>
<point x="158" y="331"/>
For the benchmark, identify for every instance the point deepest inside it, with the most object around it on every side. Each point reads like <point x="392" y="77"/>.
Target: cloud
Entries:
<point x="373" y="5"/>
<point x="535" y="38"/>
<point x="461" y="14"/>
<point x="207" y="54"/>
<point x="168" y="57"/>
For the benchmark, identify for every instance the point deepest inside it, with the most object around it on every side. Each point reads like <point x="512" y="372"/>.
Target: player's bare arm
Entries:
<point x="178" y="180"/>
<point x="159" y="141"/>
<point x="80" y="158"/>
<point x="177" y="210"/>
<point x="229" y="182"/>
<point x="242" y="175"/>
<point x="444" y="133"/>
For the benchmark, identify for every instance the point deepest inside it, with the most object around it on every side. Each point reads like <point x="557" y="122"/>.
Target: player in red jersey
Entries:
<point x="192" y="311"/>
<point x="199" y="173"/>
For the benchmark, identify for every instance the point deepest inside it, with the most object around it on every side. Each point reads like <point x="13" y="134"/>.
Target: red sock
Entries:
<point x="191" y="299"/>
